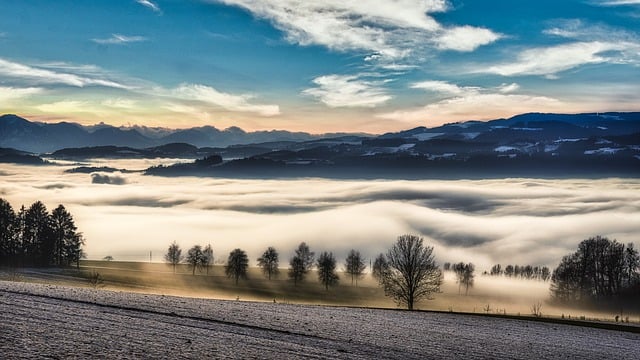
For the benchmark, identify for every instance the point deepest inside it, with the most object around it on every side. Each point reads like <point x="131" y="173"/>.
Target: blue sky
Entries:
<point x="317" y="66"/>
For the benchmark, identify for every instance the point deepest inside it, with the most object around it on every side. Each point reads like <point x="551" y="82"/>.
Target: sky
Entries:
<point x="317" y="66"/>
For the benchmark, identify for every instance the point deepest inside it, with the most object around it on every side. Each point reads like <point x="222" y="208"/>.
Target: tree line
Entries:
<point x="408" y="272"/>
<point x="528" y="272"/>
<point x="34" y="237"/>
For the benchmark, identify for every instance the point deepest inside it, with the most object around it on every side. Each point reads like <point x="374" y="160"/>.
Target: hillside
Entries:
<point x="63" y="322"/>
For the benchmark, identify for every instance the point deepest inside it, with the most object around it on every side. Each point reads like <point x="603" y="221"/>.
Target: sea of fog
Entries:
<point x="508" y="221"/>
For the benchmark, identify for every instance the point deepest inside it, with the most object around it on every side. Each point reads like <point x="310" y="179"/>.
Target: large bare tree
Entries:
<point x="412" y="273"/>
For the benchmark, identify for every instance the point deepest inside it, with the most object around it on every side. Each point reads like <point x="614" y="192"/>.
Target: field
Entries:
<point x="56" y="321"/>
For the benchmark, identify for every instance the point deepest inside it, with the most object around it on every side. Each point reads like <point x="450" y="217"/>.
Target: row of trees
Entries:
<point x="35" y="237"/>
<point x="529" y="272"/>
<point x="600" y="269"/>
<point x="299" y="265"/>
<point x="408" y="272"/>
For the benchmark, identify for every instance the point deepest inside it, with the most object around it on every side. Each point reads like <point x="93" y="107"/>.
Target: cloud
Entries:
<point x="151" y="5"/>
<point x="119" y="103"/>
<point x="439" y="87"/>
<point x="103" y="178"/>
<point x="616" y="2"/>
<point x="209" y="95"/>
<point x="348" y="91"/>
<point x="390" y="29"/>
<point x="517" y="221"/>
<point x="508" y="88"/>
<point x="118" y="39"/>
<point x="467" y="102"/>
<point x="65" y="106"/>
<point x="554" y="59"/>
<point x="465" y="38"/>
<point x="11" y="93"/>
<point x="40" y="75"/>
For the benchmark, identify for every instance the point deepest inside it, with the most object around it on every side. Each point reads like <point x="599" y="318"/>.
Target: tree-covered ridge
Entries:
<point x="34" y="237"/>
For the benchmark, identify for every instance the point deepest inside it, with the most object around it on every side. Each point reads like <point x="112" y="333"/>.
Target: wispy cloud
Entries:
<point x="41" y="75"/>
<point x="11" y="93"/>
<point x="389" y="29"/>
<point x="151" y="5"/>
<point x="471" y="102"/>
<point x="120" y="103"/>
<point x="552" y="60"/>
<point x="616" y="2"/>
<point x="210" y="95"/>
<point x="348" y="91"/>
<point x="65" y="107"/>
<point x="118" y="39"/>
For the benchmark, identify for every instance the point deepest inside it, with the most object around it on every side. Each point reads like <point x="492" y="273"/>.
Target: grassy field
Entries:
<point x="489" y="296"/>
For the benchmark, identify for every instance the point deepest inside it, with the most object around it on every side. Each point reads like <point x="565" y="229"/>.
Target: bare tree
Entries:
<point x="536" y="309"/>
<point x="207" y="257"/>
<point x="464" y="275"/>
<point x="95" y="279"/>
<point x="195" y="258"/>
<point x="354" y="265"/>
<point x="300" y="263"/>
<point x="237" y="265"/>
<point x="380" y="267"/>
<point x="412" y="273"/>
<point x="268" y="262"/>
<point x="327" y="270"/>
<point x="174" y="255"/>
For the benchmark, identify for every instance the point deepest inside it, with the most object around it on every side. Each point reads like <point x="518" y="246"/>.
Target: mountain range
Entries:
<point x="534" y="144"/>
<point x="36" y="137"/>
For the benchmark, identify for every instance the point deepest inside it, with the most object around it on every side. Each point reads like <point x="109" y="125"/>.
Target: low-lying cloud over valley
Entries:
<point x="518" y="221"/>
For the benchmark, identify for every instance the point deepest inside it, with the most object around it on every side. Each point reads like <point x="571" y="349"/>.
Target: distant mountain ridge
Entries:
<point x="19" y="133"/>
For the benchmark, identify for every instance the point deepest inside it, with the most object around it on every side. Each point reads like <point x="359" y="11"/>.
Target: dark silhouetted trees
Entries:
<point x="195" y="258"/>
<point x="35" y="237"/>
<point x="300" y="263"/>
<point x="464" y="275"/>
<point x="354" y="266"/>
<point x="237" y="265"/>
<point x="174" y="255"/>
<point x="327" y="270"/>
<point x="496" y="270"/>
<point x="268" y="262"/>
<point x="528" y="272"/>
<point x="412" y="273"/>
<point x="380" y="266"/>
<point x="600" y="269"/>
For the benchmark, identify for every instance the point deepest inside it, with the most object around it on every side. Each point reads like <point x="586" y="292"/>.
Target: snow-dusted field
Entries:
<point x="39" y="321"/>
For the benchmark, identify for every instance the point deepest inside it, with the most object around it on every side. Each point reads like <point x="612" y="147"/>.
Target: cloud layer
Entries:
<point x="523" y="221"/>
